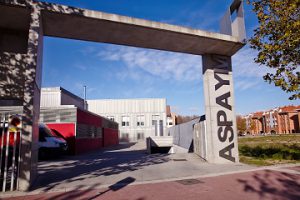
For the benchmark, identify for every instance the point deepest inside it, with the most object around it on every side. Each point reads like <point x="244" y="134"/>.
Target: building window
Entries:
<point x="125" y="120"/>
<point x="112" y="118"/>
<point x="140" y="120"/>
<point x="155" y="119"/>
<point x="170" y="123"/>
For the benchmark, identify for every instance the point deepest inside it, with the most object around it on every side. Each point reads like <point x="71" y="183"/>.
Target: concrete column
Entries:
<point x="256" y="126"/>
<point x="31" y="102"/>
<point x="221" y="129"/>
<point x="279" y="131"/>
<point x="20" y="81"/>
<point x="286" y="123"/>
<point x="298" y="121"/>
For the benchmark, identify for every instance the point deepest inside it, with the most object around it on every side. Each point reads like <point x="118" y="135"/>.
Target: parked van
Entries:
<point x="50" y="145"/>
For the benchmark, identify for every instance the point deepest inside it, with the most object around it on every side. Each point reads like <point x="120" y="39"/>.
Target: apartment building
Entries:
<point x="281" y="120"/>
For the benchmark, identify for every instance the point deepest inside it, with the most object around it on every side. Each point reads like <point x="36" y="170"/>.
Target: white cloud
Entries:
<point x="88" y="50"/>
<point x="244" y="65"/>
<point x="247" y="74"/>
<point x="177" y="66"/>
<point x="145" y="65"/>
<point x="165" y="65"/>
<point x="242" y="84"/>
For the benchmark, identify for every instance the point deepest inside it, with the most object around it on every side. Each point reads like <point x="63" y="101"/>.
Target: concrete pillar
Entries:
<point x="219" y="109"/>
<point x="290" y="121"/>
<point x="31" y="102"/>
<point x="298" y="121"/>
<point x="286" y="123"/>
<point x="263" y="124"/>
<point x="256" y="126"/>
<point x="279" y="128"/>
<point x="20" y="82"/>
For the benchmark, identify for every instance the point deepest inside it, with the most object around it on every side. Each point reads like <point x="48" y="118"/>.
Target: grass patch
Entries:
<point x="270" y="150"/>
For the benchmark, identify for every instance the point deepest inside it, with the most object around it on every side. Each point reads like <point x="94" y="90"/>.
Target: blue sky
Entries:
<point x="112" y="71"/>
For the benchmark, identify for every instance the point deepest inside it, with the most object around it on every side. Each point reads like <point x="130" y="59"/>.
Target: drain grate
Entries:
<point x="189" y="181"/>
<point x="180" y="159"/>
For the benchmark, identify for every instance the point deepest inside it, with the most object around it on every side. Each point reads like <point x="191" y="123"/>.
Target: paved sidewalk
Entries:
<point x="127" y="172"/>
<point x="260" y="184"/>
<point x="101" y="169"/>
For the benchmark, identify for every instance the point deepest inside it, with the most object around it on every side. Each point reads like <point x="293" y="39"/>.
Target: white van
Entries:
<point x="50" y="145"/>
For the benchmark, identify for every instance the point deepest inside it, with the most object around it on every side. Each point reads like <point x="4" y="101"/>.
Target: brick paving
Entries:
<point x="261" y="184"/>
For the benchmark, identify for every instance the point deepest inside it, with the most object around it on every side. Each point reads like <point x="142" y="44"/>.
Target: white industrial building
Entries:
<point x="58" y="96"/>
<point x="137" y="118"/>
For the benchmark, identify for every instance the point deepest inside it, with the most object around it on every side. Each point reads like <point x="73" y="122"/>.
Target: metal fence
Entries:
<point x="10" y="131"/>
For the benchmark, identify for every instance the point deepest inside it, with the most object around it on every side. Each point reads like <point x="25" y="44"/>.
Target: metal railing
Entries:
<point x="10" y="151"/>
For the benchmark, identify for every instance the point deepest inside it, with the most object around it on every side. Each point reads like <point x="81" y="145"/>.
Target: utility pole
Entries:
<point x="84" y="97"/>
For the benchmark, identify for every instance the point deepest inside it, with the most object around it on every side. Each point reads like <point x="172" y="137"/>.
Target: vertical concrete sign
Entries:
<point x="221" y="131"/>
<point x="219" y="108"/>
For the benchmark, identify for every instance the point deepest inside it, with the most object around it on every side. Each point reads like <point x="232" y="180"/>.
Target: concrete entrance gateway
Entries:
<point x="23" y="23"/>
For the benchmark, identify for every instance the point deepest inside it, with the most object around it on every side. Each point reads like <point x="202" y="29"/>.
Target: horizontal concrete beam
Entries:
<point x="74" y="23"/>
<point x="115" y="29"/>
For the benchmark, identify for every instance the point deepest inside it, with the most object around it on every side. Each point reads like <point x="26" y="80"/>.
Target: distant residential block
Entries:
<point x="280" y="120"/>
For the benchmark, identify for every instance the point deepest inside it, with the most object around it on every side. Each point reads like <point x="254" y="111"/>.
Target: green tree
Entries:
<point x="241" y="124"/>
<point x="277" y="40"/>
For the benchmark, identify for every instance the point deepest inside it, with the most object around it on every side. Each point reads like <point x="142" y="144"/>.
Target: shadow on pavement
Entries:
<point x="273" y="185"/>
<point x="90" y="194"/>
<point x="93" y="165"/>
<point x="115" y="187"/>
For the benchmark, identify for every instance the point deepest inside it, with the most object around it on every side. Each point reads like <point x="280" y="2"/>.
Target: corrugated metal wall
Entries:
<point x="50" y="97"/>
<point x="132" y="108"/>
<point x="59" y="114"/>
<point x="117" y="106"/>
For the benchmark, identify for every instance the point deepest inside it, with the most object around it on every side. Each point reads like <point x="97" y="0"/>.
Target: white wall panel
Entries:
<point x="56" y="96"/>
<point x="50" y="98"/>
